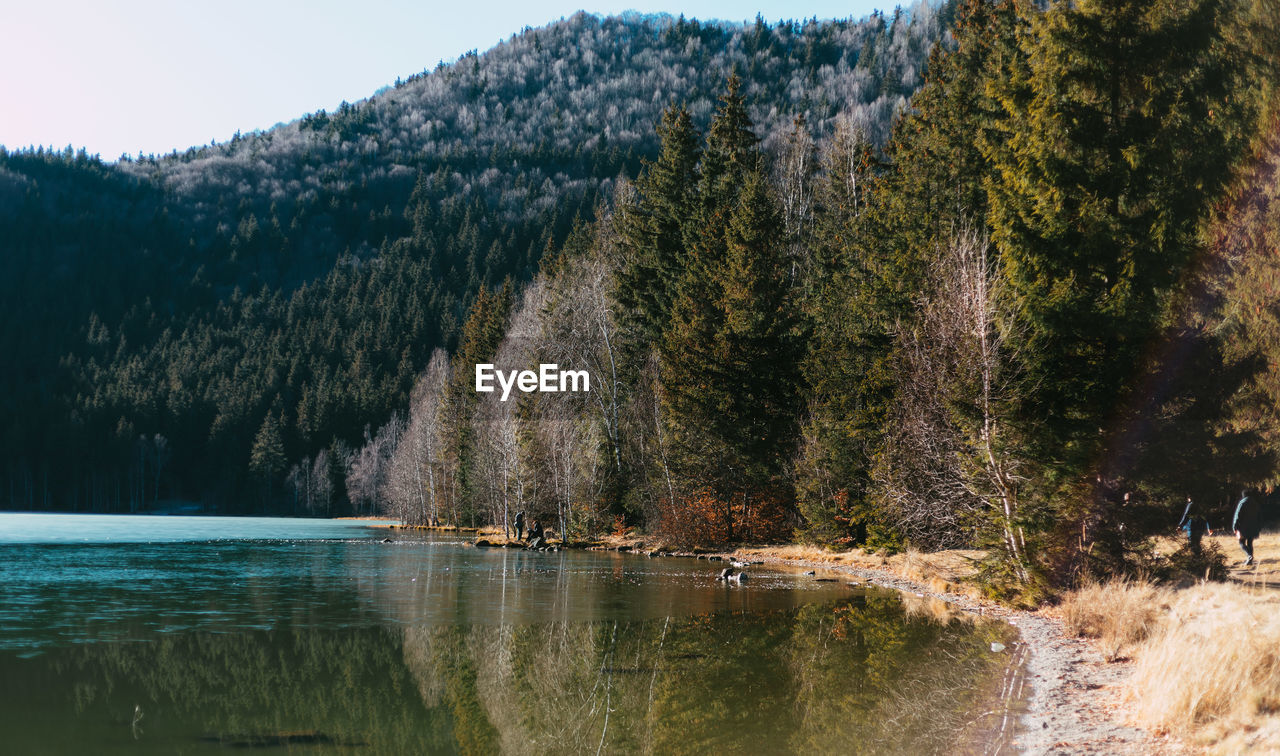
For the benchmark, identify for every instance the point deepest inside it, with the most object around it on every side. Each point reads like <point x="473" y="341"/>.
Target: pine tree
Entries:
<point x="652" y="230"/>
<point x="1095" y="205"/>
<point x="266" y="458"/>
<point x="1119" y="132"/>
<point x="730" y="371"/>
<point x="760" y="341"/>
<point x="730" y="156"/>
<point x="731" y="153"/>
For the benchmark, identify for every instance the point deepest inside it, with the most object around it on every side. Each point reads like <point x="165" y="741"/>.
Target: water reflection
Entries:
<point x="57" y="594"/>
<point x="862" y="674"/>
<point x="431" y="646"/>
<point x="452" y="585"/>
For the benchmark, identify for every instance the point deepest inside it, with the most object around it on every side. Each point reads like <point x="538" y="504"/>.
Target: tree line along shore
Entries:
<point x="1033" y="323"/>
<point x="1027" y="310"/>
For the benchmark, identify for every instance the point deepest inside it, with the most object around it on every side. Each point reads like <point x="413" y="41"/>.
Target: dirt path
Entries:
<point x="1264" y="572"/>
<point x="1073" y="705"/>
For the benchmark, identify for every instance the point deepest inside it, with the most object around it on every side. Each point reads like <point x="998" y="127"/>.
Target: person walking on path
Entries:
<point x="1194" y="525"/>
<point x="1246" y="524"/>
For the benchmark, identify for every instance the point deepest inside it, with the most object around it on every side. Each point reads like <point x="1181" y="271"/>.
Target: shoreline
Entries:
<point x="1074" y="702"/>
<point x="1073" y="696"/>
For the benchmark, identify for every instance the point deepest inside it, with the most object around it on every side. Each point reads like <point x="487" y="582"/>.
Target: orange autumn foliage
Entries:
<point x="705" y="519"/>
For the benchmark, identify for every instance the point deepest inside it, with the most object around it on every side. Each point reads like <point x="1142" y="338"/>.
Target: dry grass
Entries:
<point x="1120" y="615"/>
<point x="626" y="541"/>
<point x="1206" y="658"/>
<point x="1213" y="669"/>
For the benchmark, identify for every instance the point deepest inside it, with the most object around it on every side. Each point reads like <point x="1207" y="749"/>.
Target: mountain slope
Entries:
<point x="299" y="277"/>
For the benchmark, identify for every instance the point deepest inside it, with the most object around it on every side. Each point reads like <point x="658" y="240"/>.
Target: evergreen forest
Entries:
<point x="986" y="274"/>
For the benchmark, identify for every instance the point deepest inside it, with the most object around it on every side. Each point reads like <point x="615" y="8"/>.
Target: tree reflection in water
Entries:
<point x="875" y="672"/>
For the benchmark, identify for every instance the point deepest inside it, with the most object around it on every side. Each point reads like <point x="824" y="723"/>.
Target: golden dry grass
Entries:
<point x="1120" y="614"/>
<point x="1206" y="658"/>
<point x="1213" y="669"/>
<point x="628" y="541"/>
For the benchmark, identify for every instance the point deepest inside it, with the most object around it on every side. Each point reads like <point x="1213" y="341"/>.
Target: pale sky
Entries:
<point x="150" y="76"/>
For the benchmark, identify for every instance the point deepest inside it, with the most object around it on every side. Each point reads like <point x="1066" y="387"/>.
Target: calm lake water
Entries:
<point x="137" y="634"/>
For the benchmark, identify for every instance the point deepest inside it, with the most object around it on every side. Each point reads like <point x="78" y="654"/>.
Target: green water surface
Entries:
<point x="215" y="635"/>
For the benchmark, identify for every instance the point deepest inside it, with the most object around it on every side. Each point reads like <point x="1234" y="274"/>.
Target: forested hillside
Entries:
<point x="989" y="275"/>
<point x="1035" y="321"/>
<point x="190" y="326"/>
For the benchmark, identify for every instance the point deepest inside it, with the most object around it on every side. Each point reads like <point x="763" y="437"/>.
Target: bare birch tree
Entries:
<point x="654" y="484"/>
<point x="949" y="473"/>
<point x="417" y="481"/>
<point x="580" y="332"/>
<point x="563" y="432"/>
<point x="846" y="159"/>
<point x="367" y="467"/>
<point x="499" y="457"/>
<point x="793" y="176"/>
<point x="321" y="494"/>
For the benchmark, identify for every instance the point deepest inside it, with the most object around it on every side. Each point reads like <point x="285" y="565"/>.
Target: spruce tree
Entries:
<point x="730" y="370"/>
<point x="1120" y="131"/>
<point x="652" y="230"/>
<point x="760" y="340"/>
<point x="1111" y="161"/>
<point x="266" y="458"/>
<point x="731" y="152"/>
<point x="729" y="157"/>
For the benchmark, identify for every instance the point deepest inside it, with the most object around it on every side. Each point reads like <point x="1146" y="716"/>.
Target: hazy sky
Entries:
<point x="118" y="76"/>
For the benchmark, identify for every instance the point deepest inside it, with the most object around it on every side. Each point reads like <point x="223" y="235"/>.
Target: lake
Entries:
<point x="137" y="634"/>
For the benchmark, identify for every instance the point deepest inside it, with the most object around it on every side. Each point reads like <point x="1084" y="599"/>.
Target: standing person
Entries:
<point x="1246" y="524"/>
<point x="1194" y="525"/>
<point x="520" y="525"/>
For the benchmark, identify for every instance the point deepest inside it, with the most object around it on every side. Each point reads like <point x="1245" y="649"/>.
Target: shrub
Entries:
<point x="705" y="519"/>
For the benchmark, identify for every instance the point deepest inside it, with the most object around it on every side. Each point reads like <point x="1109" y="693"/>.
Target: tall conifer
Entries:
<point x="730" y="370"/>
<point x="1120" y="131"/>
<point x="1113" y="153"/>
<point x="652" y="231"/>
